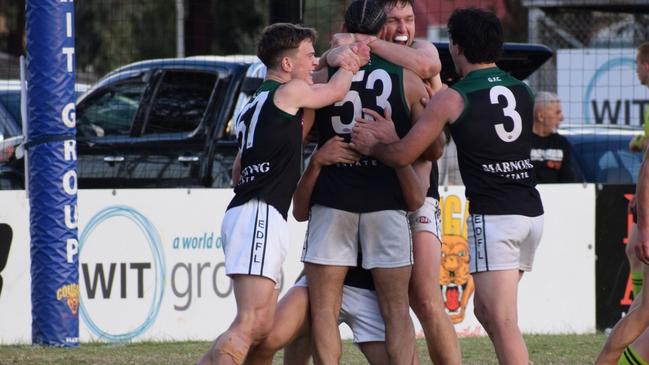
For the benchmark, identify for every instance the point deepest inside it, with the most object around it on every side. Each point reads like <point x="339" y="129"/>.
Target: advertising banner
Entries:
<point x="151" y="266"/>
<point x="600" y="86"/>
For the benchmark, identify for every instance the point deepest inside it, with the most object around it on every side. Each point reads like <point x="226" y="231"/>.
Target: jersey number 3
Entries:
<point x="509" y="111"/>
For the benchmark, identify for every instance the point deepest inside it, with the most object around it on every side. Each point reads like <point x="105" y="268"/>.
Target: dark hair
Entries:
<point x="365" y="17"/>
<point x="278" y="38"/>
<point x="393" y="3"/>
<point x="479" y="34"/>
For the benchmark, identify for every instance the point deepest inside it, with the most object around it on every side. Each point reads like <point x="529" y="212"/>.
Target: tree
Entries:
<point x="111" y="33"/>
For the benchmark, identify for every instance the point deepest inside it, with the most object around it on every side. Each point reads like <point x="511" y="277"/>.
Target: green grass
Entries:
<point x="544" y="349"/>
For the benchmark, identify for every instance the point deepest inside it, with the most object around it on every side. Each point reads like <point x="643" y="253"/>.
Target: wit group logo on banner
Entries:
<point x="115" y="270"/>
<point x="600" y="86"/>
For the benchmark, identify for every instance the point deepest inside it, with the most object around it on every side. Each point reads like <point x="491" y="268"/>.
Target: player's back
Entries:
<point x="367" y="185"/>
<point x="493" y="135"/>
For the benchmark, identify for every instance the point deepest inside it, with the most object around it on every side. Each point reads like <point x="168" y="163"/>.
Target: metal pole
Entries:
<point x="180" y="28"/>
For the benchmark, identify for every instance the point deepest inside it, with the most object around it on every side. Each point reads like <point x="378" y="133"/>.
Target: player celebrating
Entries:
<point x="490" y="118"/>
<point x="270" y="134"/>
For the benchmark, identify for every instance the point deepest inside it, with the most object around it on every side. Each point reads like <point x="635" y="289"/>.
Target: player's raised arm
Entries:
<point x="422" y="57"/>
<point x="304" y="93"/>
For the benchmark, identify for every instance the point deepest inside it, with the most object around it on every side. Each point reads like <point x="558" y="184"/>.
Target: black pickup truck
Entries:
<point x="167" y="123"/>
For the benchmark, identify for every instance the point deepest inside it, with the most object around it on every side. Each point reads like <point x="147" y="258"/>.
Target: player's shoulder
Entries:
<point x="424" y="45"/>
<point x="450" y="101"/>
<point x="292" y="87"/>
<point x="295" y="84"/>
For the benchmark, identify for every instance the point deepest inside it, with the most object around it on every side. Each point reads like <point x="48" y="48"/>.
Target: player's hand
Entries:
<point x="362" y="50"/>
<point x="429" y="93"/>
<point x="344" y="57"/>
<point x="364" y="38"/>
<point x="363" y="140"/>
<point x="334" y="151"/>
<point x="382" y="127"/>
<point x="342" y="39"/>
<point x="374" y="129"/>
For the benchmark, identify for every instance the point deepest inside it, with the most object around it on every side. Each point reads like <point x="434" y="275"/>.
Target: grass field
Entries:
<point x="544" y="349"/>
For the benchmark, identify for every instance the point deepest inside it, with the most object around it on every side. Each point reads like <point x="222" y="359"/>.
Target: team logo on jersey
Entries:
<point x="455" y="279"/>
<point x="422" y="219"/>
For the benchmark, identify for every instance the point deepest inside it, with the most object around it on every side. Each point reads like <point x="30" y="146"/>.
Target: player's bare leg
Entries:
<point x="641" y="346"/>
<point x="325" y="294"/>
<point x="495" y="302"/>
<point x="374" y="352"/>
<point x="291" y="325"/>
<point x="426" y="300"/>
<point x="299" y="350"/>
<point x="628" y="328"/>
<point x="376" y="355"/>
<point x="256" y="298"/>
<point x="635" y="265"/>
<point x="392" y="291"/>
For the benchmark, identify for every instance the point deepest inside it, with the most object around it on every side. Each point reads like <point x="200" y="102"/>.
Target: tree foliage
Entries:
<point x="111" y="33"/>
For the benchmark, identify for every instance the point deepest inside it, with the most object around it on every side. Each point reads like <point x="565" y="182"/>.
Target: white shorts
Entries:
<point x="255" y="240"/>
<point x="360" y="311"/>
<point x="503" y="242"/>
<point x="334" y="236"/>
<point x="427" y="218"/>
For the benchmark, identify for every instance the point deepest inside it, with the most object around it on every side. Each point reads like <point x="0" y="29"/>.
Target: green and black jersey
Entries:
<point x="368" y="185"/>
<point x="270" y="144"/>
<point x="493" y="136"/>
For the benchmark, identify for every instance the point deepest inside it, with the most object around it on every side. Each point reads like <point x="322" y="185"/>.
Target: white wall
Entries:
<point x="126" y="228"/>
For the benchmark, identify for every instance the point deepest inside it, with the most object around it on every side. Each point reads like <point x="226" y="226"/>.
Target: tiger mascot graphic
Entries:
<point x="455" y="279"/>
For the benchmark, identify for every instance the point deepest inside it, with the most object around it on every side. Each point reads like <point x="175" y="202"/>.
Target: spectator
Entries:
<point x="550" y="151"/>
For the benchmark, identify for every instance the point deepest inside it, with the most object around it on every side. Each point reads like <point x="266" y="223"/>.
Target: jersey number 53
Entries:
<point x="343" y="127"/>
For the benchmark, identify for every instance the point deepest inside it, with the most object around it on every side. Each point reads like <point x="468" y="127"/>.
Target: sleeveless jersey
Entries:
<point x="270" y="144"/>
<point x="493" y="136"/>
<point x="367" y="185"/>
<point x="433" y="189"/>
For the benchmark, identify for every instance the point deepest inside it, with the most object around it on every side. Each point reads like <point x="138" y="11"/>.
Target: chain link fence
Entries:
<point x="583" y="34"/>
